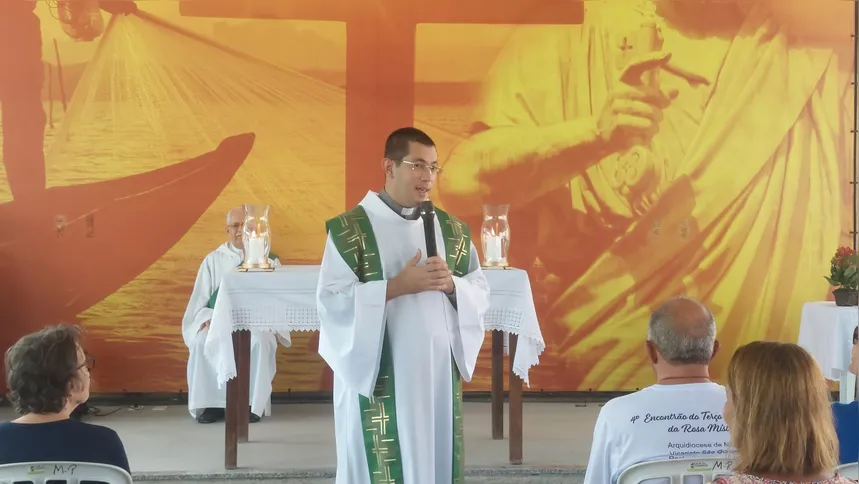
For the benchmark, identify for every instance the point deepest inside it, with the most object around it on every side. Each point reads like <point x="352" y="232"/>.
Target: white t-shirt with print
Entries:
<point x="659" y="422"/>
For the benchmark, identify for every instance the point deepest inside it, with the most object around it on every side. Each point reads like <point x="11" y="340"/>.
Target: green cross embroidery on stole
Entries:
<point x="457" y="248"/>
<point x="353" y="236"/>
<point x="457" y="242"/>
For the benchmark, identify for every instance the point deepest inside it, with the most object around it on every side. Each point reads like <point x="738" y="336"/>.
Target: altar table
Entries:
<point x="826" y="331"/>
<point x="285" y="300"/>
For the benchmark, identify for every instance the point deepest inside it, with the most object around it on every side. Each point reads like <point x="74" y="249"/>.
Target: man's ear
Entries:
<point x="388" y="167"/>
<point x="716" y="347"/>
<point x="652" y="354"/>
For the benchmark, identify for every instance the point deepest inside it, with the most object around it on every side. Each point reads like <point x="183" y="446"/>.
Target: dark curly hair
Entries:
<point x="41" y="367"/>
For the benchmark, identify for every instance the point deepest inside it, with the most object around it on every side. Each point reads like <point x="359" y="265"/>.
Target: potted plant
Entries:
<point x="844" y="275"/>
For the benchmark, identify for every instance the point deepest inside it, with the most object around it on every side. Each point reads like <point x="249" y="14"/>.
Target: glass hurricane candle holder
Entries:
<point x="256" y="236"/>
<point x="495" y="235"/>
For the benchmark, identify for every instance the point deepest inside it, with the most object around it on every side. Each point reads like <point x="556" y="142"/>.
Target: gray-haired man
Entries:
<point x="678" y="417"/>
<point x="206" y="400"/>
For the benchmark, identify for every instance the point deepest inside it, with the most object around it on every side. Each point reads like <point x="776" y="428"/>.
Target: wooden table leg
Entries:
<point x="238" y="394"/>
<point x="515" y="408"/>
<point x="231" y="436"/>
<point x="497" y="385"/>
<point x="243" y="375"/>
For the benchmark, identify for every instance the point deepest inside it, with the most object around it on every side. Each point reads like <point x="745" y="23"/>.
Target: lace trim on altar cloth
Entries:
<point x="275" y="318"/>
<point x="296" y="318"/>
<point x="258" y="318"/>
<point x="510" y="320"/>
<point x="224" y="377"/>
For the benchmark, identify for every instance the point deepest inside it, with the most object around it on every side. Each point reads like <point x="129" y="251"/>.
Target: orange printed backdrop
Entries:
<point x="123" y="153"/>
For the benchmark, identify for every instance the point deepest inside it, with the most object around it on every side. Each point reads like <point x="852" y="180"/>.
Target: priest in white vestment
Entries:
<point x="206" y="401"/>
<point x="399" y="330"/>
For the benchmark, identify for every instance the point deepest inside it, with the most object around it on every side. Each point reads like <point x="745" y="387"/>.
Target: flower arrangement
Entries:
<point x="844" y="275"/>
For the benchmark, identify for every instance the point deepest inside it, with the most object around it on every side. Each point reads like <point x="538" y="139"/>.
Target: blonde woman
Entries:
<point x="778" y="413"/>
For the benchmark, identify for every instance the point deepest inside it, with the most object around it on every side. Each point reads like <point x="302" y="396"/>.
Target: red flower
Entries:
<point x="844" y="252"/>
<point x="844" y="272"/>
<point x="842" y="256"/>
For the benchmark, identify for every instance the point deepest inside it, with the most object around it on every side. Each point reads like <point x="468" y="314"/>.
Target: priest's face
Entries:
<point x="234" y="227"/>
<point x="409" y="181"/>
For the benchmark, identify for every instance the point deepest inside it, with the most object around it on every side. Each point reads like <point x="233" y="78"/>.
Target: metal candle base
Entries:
<point x="497" y="265"/>
<point x="256" y="268"/>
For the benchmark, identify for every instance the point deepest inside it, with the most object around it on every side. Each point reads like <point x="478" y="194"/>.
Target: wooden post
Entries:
<point x="243" y="375"/>
<point x="515" y="409"/>
<point x="238" y="396"/>
<point x="497" y="385"/>
<point x="231" y="437"/>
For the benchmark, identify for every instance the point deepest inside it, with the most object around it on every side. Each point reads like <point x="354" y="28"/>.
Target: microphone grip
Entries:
<point x="429" y="234"/>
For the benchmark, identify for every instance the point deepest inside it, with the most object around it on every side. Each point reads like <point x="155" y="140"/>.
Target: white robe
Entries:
<point x="203" y="391"/>
<point x="423" y="330"/>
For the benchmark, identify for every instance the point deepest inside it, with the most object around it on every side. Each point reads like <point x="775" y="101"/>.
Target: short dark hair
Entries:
<point x="397" y="144"/>
<point x="41" y="367"/>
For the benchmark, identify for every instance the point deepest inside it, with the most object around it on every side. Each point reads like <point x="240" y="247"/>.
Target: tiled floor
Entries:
<point x="300" y="437"/>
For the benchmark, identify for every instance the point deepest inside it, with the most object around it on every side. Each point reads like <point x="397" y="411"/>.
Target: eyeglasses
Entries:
<point x="416" y="165"/>
<point x="89" y="363"/>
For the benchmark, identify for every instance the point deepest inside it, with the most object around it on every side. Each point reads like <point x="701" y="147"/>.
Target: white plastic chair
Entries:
<point x="676" y="471"/>
<point x="63" y="473"/>
<point x="850" y="471"/>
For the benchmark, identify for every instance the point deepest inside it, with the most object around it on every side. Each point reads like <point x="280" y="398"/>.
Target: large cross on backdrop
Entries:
<point x="380" y="56"/>
<point x="380" y="97"/>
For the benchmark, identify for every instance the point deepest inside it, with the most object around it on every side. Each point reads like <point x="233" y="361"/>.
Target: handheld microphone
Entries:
<point x="428" y="216"/>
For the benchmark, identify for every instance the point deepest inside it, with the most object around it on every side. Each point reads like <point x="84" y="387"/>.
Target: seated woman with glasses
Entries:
<point x="48" y="377"/>
<point x="778" y="415"/>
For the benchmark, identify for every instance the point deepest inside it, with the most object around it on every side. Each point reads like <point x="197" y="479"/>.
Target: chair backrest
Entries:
<point x="63" y="473"/>
<point x="850" y="471"/>
<point x="676" y="471"/>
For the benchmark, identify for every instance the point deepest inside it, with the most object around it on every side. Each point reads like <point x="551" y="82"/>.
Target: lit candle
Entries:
<point x="493" y="249"/>
<point x="255" y="249"/>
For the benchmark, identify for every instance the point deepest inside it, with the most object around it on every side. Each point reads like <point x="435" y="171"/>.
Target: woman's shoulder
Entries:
<point x="73" y="427"/>
<point x="6" y="427"/>
<point x="96" y="430"/>
<point x="61" y="429"/>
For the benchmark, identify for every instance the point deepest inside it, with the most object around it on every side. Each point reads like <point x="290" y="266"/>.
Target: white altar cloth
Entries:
<point x="285" y="300"/>
<point x="826" y="331"/>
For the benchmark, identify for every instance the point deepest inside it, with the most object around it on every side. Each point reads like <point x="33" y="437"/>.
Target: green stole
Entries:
<point x="214" y="297"/>
<point x="353" y="236"/>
